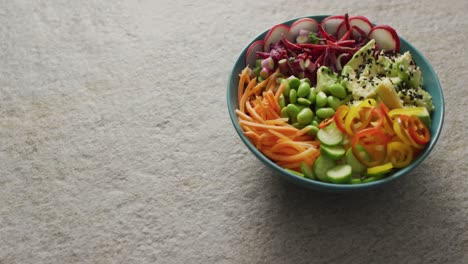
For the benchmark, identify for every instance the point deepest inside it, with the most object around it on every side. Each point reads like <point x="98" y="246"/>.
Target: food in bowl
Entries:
<point x="334" y="101"/>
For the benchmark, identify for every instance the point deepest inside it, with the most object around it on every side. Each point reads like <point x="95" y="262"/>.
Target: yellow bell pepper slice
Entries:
<point x="381" y="169"/>
<point x="399" y="154"/>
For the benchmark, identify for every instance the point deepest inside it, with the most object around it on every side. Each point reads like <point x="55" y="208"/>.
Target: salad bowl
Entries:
<point x="430" y="83"/>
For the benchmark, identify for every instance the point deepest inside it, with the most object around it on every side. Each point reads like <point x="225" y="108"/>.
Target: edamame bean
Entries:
<point x="286" y="88"/>
<point x="294" y="82"/>
<point x="303" y="90"/>
<point x="344" y="83"/>
<point x="293" y="110"/>
<point x="303" y="101"/>
<point x="333" y="102"/>
<point x="284" y="112"/>
<point x="307" y="80"/>
<point x="325" y="112"/>
<point x="305" y="116"/>
<point x="298" y="126"/>
<point x="293" y="96"/>
<point x="301" y="106"/>
<point x="312" y="94"/>
<point x="282" y="101"/>
<point x="337" y="90"/>
<point x="320" y="99"/>
<point x="315" y="123"/>
<point x="313" y="130"/>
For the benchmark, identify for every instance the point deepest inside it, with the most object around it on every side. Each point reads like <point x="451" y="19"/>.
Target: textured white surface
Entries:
<point x="116" y="145"/>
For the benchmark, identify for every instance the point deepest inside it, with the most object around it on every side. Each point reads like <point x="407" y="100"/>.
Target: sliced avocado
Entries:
<point x="405" y="68"/>
<point x="415" y="79"/>
<point x="426" y="101"/>
<point x="325" y="78"/>
<point x="362" y="56"/>
<point x="347" y="71"/>
<point x="387" y="94"/>
<point x="395" y="80"/>
<point x="384" y="64"/>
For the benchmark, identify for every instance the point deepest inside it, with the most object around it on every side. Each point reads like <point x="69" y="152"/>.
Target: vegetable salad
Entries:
<point x="334" y="101"/>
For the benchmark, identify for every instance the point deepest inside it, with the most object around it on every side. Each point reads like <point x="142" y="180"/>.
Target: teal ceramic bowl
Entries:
<point x="431" y="84"/>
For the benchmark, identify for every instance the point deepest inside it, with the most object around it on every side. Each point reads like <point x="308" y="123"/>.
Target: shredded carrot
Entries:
<point x="284" y="129"/>
<point x="280" y="90"/>
<point x="246" y="94"/>
<point x="277" y="134"/>
<point x="272" y="101"/>
<point x="271" y="83"/>
<point x="303" y="131"/>
<point x="252" y="135"/>
<point x="243" y="115"/>
<point x="296" y="157"/>
<point x="259" y="118"/>
<point x="287" y="144"/>
<point x="243" y="78"/>
<point x="277" y="121"/>
<point x="254" y="114"/>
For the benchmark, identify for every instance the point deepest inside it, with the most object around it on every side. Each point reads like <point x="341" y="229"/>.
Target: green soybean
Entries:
<point x="305" y="116"/>
<point x="333" y="102"/>
<point x="303" y="90"/>
<point x="312" y="95"/>
<point x="313" y="130"/>
<point x="321" y="100"/>
<point x="284" y="112"/>
<point x="301" y="106"/>
<point x="293" y="96"/>
<point x="344" y="83"/>
<point x="294" y="82"/>
<point x="286" y="88"/>
<point x="282" y="101"/>
<point x="298" y="125"/>
<point x="337" y="90"/>
<point x="325" y="112"/>
<point x="293" y="110"/>
<point x="304" y="101"/>
<point x="315" y="123"/>
<point x="307" y="80"/>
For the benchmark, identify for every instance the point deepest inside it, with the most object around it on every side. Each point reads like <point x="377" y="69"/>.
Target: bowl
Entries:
<point x="430" y="83"/>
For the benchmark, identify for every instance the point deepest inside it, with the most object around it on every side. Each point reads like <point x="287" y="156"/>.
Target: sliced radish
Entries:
<point x="251" y="56"/>
<point x="341" y="31"/>
<point x="385" y="37"/>
<point x="356" y="21"/>
<point x="274" y="35"/>
<point x="331" y="24"/>
<point x="306" y="23"/>
<point x="361" y="22"/>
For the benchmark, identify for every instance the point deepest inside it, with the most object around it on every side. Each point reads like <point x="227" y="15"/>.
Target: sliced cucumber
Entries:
<point x="295" y="172"/>
<point x="340" y="174"/>
<point x="321" y="166"/>
<point x="370" y="179"/>
<point x="330" y="135"/>
<point x="356" y="181"/>
<point x="356" y="166"/>
<point x="332" y="152"/>
<point x="307" y="171"/>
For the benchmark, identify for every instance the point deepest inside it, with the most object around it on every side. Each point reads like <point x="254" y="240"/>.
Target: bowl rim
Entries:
<point x="324" y="186"/>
